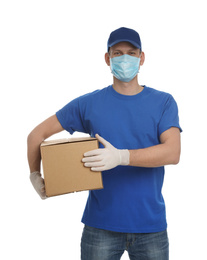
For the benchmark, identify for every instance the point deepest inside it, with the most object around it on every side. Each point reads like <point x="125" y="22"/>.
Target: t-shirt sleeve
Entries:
<point x="169" y="117"/>
<point x="70" y="117"/>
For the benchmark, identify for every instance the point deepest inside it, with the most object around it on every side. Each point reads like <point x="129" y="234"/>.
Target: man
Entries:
<point x="139" y="132"/>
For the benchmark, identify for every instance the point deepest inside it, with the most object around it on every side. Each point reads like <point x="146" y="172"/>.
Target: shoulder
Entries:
<point x="93" y="96"/>
<point x="158" y="96"/>
<point x="157" y="93"/>
<point x="84" y="100"/>
<point x="94" y="93"/>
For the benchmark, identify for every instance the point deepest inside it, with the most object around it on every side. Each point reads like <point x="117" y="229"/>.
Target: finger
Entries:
<point x="98" y="169"/>
<point x="94" y="164"/>
<point x="43" y="197"/>
<point x="92" y="153"/>
<point x="102" y="140"/>
<point x="92" y="158"/>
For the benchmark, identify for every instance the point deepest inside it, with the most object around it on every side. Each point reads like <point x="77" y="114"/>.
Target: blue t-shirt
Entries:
<point x="131" y="200"/>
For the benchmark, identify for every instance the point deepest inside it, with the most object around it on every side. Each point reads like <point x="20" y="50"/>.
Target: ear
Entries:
<point x="107" y="58"/>
<point x="142" y="58"/>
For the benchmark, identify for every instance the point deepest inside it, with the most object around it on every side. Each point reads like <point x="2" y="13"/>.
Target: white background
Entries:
<point x="53" y="51"/>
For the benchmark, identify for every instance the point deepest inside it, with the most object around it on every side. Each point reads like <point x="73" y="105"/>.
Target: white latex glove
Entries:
<point x="105" y="158"/>
<point x="38" y="184"/>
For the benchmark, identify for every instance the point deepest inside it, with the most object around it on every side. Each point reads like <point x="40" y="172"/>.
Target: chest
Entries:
<point x="124" y="124"/>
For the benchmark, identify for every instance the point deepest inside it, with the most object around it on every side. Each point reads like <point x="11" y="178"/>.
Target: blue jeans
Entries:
<point x="98" y="244"/>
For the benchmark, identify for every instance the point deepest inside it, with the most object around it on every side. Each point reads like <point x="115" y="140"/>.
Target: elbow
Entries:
<point x="174" y="154"/>
<point x="175" y="158"/>
<point x="30" y="137"/>
<point x="176" y="161"/>
<point x="34" y="137"/>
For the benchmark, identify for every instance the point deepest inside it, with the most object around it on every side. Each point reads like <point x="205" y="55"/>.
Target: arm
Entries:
<point x="167" y="152"/>
<point x="47" y="128"/>
<point x="44" y="130"/>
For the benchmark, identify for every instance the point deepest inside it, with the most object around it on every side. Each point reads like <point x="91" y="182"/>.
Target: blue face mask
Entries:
<point x="125" y="67"/>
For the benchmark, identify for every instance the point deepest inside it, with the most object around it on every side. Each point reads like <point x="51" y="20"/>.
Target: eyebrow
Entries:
<point x="132" y="49"/>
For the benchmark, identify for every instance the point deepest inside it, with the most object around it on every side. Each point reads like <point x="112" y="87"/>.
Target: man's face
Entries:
<point x="122" y="48"/>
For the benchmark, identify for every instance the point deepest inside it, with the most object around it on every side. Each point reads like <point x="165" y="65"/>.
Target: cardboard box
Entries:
<point x="63" y="169"/>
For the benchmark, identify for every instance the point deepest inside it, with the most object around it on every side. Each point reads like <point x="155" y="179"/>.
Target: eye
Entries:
<point x="117" y="53"/>
<point x="132" y="53"/>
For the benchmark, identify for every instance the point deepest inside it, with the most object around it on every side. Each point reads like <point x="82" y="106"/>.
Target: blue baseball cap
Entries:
<point x="124" y="34"/>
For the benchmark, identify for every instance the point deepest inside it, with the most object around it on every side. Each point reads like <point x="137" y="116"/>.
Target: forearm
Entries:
<point x="168" y="152"/>
<point x="154" y="156"/>
<point x="33" y="151"/>
<point x="34" y="159"/>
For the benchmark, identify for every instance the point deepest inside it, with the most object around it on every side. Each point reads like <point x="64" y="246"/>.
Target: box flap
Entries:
<point x="67" y="140"/>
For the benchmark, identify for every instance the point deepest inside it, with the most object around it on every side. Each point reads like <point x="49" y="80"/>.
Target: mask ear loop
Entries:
<point x="140" y="60"/>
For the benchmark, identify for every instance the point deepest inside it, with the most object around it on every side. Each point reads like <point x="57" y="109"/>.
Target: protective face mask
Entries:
<point x="125" y="67"/>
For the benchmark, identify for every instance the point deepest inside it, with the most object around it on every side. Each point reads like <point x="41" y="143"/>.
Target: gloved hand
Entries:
<point x="38" y="184"/>
<point x="105" y="158"/>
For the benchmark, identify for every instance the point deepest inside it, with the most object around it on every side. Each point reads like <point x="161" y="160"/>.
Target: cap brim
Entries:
<point x="125" y="40"/>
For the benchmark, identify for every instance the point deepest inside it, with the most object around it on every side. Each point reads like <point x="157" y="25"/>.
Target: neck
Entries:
<point x="127" y="88"/>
